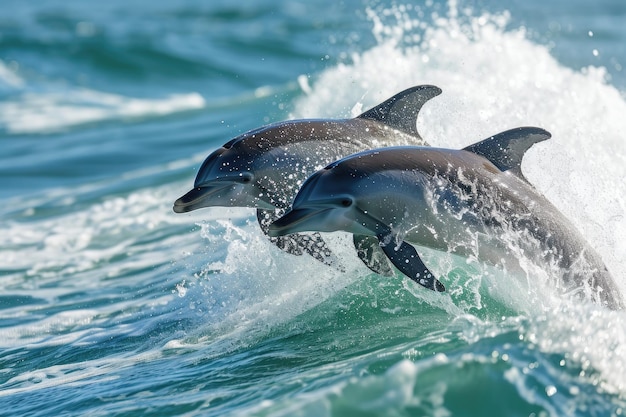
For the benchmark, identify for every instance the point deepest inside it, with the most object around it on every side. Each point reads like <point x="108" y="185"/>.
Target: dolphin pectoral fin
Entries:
<point x="313" y="244"/>
<point x="369" y="251"/>
<point x="406" y="259"/>
<point x="506" y="150"/>
<point x="297" y="243"/>
<point x="287" y="243"/>
<point x="400" y="111"/>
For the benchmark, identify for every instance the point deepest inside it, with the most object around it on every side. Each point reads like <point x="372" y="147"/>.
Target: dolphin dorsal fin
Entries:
<point x="400" y="111"/>
<point x="506" y="150"/>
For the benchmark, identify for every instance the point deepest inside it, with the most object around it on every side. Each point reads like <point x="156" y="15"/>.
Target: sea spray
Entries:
<point x="494" y="78"/>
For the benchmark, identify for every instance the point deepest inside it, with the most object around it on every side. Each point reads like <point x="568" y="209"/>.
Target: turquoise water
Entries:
<point x="111" y="304"/>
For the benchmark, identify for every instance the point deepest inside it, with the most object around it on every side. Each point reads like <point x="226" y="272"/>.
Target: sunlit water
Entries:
<point x="111" y="304"/>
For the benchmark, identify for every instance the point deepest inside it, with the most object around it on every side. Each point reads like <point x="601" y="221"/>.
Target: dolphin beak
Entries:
<point x="195" y="199"/>
<point x="296" y="220"/>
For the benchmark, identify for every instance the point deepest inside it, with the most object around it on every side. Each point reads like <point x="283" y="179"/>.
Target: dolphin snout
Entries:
<point x="186" y="203"/>
<point x="293" y="221"/>
<point x="195" y="199"/>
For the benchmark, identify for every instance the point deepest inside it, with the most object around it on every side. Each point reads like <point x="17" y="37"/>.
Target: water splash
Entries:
<point x="494" y="78"/>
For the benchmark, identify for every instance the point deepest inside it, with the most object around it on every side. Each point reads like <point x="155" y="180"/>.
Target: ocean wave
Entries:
<point x="9" y="79"/>
<point x="113" y="304"/>
<point x="56" y="111"/>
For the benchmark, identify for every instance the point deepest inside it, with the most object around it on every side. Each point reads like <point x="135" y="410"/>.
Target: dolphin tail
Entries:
<point x="369" y="251"/>
<point x="406" y="259"/>
<point x="506" y="150"/>
<point x="297" y="243"/>
<point x="400" y="111"/>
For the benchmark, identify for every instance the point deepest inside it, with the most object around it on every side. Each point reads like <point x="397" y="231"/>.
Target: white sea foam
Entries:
<point x="86" y="250"/>
<point x="74" y="374"/>
<point x="257" y="286"/>
<point x="9" y="79"/>
<point x="53" y="111"/>
<point x="80" y="239"/>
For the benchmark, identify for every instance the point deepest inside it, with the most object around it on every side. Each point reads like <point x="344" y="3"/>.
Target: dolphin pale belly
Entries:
<point x="471" y="202"/>
<point x="264" y="168"/>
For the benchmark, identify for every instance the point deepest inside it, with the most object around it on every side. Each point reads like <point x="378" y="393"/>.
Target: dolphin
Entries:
<point x="263" y="168"/>
<point x="471" y="202"/>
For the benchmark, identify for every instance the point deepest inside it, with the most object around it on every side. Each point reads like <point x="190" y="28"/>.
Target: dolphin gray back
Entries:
<point x="399" y="112"/>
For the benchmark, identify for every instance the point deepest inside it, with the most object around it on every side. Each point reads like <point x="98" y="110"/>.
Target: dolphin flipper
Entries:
<point x="297" y="243"/>
<point x="406" y="259"/>
<point x="369" y="251"/>
<point x="400" y="111"/>
<point x="506" y="150"/>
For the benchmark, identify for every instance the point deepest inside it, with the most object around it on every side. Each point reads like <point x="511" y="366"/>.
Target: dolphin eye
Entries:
<point x="246" y="177"/>
<point x="346" y="202"/>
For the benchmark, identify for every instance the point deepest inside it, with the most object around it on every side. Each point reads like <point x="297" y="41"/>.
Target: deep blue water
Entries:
<point x="111" y="304"/>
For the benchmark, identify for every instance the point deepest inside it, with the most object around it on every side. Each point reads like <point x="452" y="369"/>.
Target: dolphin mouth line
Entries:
<point x="191" y="200"/>
<point x="291" y="219"/>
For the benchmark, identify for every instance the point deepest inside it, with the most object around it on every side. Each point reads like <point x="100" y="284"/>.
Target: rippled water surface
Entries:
<point x="111" y="304"/>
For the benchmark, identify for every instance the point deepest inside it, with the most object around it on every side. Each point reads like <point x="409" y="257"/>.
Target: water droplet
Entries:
<point x="550" y="390"/>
